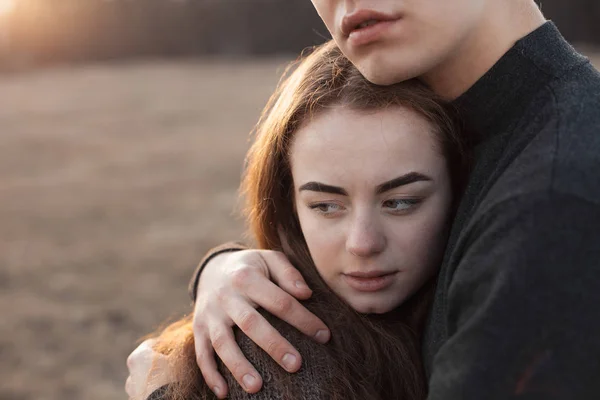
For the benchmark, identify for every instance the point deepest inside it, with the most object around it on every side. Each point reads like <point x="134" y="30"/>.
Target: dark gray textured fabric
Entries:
<point x="517" y="308"/>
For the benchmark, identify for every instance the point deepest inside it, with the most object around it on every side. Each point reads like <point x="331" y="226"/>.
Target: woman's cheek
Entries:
<point x="322" y="239"/>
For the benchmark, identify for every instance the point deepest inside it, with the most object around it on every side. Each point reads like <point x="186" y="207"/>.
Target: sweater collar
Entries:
<point x="502" y="94"/>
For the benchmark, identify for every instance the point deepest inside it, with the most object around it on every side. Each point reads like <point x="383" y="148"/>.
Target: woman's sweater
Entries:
<point x="309" y="383"/>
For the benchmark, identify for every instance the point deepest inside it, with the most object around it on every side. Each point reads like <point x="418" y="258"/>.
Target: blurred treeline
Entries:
<point x="41" y="31"/>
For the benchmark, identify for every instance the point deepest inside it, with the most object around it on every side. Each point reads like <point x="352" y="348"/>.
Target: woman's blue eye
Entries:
<point x="325" y="208"/>
<point x="400" y="204"/>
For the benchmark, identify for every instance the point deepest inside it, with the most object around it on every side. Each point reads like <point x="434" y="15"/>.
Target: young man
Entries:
<point x="516" y="309"/>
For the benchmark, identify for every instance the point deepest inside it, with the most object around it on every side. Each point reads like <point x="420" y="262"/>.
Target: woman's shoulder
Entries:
<point x="309" y="382"/>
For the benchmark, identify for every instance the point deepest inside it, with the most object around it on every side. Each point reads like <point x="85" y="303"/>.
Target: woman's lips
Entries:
<point x="370" y="282"/>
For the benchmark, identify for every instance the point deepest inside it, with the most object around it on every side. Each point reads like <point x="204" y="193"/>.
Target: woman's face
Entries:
<point x="373" y="197"/>
<point x="406" y="39"/>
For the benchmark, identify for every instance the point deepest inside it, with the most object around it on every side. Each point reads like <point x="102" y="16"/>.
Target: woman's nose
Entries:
<point x="365" y="238"/>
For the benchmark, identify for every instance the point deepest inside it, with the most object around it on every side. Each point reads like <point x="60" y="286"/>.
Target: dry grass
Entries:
<point x="114" y="180"/>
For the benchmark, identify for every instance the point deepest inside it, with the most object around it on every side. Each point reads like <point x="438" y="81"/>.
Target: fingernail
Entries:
<point x="217" y="390"/>
<point x="289" y="361"/>
<point x="301" y="285"/>
<point x="322" y="336"/>
<point x="248" y="381"/>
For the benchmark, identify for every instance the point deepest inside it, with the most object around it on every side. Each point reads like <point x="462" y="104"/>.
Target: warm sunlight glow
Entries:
<point x="6" y="6"/>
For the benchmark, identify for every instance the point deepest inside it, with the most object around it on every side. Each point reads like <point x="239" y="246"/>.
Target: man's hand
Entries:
<point x="231" y="287"/>
<point x="148" y="371"/>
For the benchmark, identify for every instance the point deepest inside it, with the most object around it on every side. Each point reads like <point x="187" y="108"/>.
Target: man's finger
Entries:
<point x="261" y="332"/>
<point x="285" y="275"/>
<point x="223" y="341"/>
<point x="141" y="354"/>
<point x="129" y="387"/>
<point x="205" y="357"/>
<point x="287" y="308"/>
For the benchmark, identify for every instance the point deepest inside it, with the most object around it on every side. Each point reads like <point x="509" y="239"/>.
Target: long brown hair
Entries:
<point x="372" y="357"/>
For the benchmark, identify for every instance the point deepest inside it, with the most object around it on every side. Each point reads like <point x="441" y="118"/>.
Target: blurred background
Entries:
<point x="123" y="126"/>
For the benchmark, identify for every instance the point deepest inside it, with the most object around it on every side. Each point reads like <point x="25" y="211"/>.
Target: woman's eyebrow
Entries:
<point x="323" y="188"/>
<point x="402" y="180"/>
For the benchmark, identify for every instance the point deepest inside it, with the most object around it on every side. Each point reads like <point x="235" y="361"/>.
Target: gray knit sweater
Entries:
<point x="308" y="383"/>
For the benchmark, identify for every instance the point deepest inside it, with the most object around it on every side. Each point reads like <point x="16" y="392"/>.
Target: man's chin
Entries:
<point x="385" y="69"/>
<point x="379" y="76"/>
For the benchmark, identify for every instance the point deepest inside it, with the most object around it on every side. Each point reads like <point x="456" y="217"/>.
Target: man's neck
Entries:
<point x="505" y="24"/>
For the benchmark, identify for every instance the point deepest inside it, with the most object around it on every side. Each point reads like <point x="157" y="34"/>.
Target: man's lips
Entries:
<point x="355" y="20"/>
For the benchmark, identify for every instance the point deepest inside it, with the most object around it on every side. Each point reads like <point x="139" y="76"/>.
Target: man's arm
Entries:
<point x="523" y="307"/>
<point x="212" y="253"/>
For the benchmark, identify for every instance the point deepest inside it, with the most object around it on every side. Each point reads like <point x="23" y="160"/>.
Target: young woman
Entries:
<point x="356" y="184"/>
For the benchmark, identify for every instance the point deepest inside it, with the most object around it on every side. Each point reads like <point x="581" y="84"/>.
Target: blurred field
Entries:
<point x="114" y="180"/>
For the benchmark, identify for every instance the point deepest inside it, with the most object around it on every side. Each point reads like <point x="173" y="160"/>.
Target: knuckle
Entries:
<point x="202" y="349"/>
<point x="238" y="369"/>
<point x="306" y="322"/>
<point x="310" y="325"/>
<point x="130" y="361"/>
<point x="221" y="294"/>
<point x="283" y="304"/>
<point x="128" y="388"/>
<point x="309" y="328"/>
<point x="273" y="347"/>
<point x="199" y="328"/>
<point x="248" y="320"/>
<point x="205" y="366"/>
<point x="201" y="364"/>
<point x="241" y="276"/>
<point x="290" y="273"/>
<point x="208" y="378"/>
<point x="280" y="255"/>
<point x="282" y="259"/>
<point x="201" y="361"/>
<point x="220" y="340"/>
